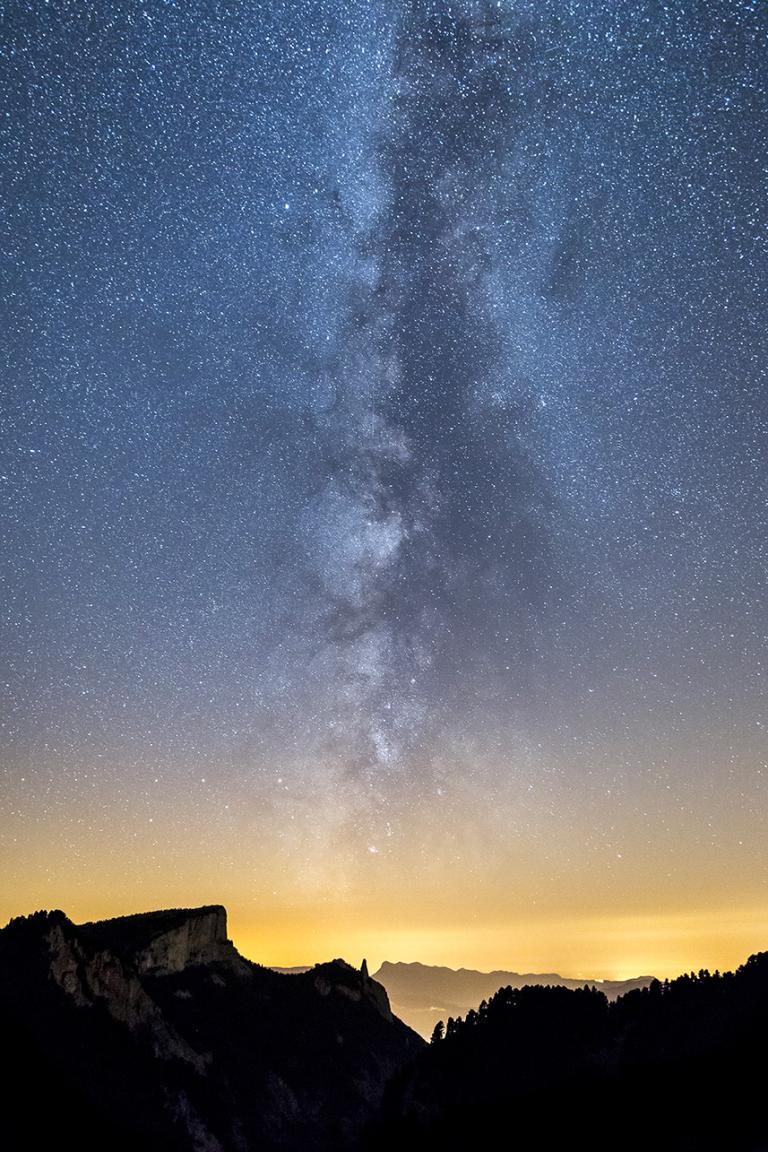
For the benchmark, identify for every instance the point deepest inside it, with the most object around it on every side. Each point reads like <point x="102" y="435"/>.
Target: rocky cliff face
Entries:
<point x="151" y="1031"/>
<point x="98" y="976"/>
<point x="160" y="943"/>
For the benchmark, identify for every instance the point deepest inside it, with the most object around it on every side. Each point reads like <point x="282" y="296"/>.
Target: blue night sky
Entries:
<point x="384" y="460"/>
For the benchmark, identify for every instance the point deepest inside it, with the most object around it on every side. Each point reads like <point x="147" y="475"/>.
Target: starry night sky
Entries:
<point x="384" y="467"/>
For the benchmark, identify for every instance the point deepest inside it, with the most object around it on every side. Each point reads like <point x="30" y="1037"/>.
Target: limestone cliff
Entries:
<point x="160" y="943"/>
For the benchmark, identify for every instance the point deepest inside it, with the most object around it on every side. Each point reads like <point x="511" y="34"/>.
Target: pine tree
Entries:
<point x="437" y="1032"/>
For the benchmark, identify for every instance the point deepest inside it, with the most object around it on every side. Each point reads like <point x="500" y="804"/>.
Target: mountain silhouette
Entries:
<point x="151" y="1032"/>
<point x="679" y="1066"/>
<point x="422" y="994"/>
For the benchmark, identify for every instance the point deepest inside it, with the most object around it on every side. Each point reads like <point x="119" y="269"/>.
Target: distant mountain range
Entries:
<point x="422" y="994"/>
<point x="679" y="1066"/>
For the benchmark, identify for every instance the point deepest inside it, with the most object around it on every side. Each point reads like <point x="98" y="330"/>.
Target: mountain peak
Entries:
<point x="156" y="1032"/>
<point x="168" y="940"/>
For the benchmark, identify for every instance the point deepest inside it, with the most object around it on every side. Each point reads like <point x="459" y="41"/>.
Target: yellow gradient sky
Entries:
<point x="533" y="894"/>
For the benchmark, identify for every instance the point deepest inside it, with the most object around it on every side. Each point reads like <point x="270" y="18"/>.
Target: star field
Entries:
<point x="383" y="473"/>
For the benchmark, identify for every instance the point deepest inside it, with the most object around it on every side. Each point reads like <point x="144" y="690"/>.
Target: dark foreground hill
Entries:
<point x="150" y="1032"/>
<point x="422" y="994"/>
<point x="678" y="1067"/>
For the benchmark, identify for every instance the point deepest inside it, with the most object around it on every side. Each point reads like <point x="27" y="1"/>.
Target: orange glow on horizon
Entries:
<point x="601" y="948"/>
<point x="530" y="898"/>
<point x="592" y="945"/>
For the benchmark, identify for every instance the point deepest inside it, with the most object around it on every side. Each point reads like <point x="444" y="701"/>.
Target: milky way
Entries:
<point x="384" y="449"/>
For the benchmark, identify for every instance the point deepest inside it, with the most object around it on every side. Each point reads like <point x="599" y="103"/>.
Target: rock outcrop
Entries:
<point x="342" y="979"/>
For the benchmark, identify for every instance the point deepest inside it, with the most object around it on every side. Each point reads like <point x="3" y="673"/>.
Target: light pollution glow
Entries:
<point x="413" y="904"/>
